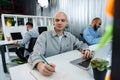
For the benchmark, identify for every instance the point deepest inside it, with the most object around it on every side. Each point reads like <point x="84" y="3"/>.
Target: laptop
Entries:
<point x="103" y="53"/>
<point x="16" y="36"/>
<point x="42" y="29"/>
<point x="81" y="63"/>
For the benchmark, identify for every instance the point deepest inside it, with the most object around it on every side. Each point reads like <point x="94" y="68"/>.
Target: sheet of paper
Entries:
<point x="58" y="75"/>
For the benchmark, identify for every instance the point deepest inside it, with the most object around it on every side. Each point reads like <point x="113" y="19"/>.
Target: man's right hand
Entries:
<point x="15" y="42"/>
<point x="45" y="69"/>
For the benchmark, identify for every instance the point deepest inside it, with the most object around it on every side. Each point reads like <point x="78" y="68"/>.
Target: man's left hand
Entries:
<point x="87" y="54"/>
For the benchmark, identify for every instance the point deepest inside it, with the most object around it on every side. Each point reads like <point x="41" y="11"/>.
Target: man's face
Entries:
<point x="27" y="27"/>
<point x="97" y="25"/>
<point x="60" y="21"/>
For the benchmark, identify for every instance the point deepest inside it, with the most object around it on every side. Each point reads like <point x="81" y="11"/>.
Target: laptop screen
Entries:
<point x="42" y="29"/>
<point x="16" y="36"/>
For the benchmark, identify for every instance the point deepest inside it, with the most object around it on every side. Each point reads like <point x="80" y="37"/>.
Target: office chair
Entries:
<point x="31" y="44"/>
<point x="20" y="51"/>
<point x="82" y="38"/>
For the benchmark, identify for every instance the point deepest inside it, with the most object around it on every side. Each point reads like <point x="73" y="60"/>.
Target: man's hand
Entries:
<point x="87" y="54"/>
<point x="15" y="42"/>
<point x="45" y="69"/>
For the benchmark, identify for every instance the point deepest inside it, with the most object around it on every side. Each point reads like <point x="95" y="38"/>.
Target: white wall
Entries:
<point x="80" y="13"/>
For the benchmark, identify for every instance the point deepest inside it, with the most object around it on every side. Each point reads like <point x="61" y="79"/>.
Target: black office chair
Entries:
<point x="82" y="38"/>
<point x="20" y="51"/>
<point x="31" y="44"/>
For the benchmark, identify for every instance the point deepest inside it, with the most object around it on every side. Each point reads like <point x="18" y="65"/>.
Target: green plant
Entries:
<point x="100" y="64"/>
<point x="11" y="21"/>
<point x="1" y="36"/>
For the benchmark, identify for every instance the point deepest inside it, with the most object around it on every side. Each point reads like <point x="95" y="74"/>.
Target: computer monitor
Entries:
<point x="42" y="29"/>
<point x="16" y="35"/>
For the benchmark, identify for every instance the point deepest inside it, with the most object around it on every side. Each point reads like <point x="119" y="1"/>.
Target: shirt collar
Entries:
<point x="31" y="29"/>
<point x="54" y="34"/>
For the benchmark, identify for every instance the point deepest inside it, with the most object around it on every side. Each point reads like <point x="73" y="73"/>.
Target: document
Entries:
<point x="57" y="75"/>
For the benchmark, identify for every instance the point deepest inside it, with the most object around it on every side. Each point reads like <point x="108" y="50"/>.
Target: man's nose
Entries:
<point x="60" y="22"/>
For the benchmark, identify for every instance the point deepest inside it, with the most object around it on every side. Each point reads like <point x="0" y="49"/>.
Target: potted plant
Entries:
<point x="100" y="67"/>
<point x="11" y="22"/>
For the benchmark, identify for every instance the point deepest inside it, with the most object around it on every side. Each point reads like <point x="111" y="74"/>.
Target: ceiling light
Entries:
<point x="43" y="3"/>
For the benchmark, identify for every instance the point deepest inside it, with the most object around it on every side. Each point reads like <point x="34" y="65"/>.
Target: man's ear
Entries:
<point x="53" y="22"/>
<point x="67" y="26"/>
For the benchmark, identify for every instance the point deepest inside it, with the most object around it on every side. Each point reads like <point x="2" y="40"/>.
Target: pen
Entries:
<point x="43" y="58"/>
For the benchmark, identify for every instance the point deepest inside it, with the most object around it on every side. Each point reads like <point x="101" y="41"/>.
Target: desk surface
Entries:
<point x="6" y="42"/>
<point x="62" y="62"/>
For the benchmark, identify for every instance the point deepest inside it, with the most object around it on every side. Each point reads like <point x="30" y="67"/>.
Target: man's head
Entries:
<point x="96" y="23"/>
<point x="60" y="21"/>
<point x="29" y="26"/>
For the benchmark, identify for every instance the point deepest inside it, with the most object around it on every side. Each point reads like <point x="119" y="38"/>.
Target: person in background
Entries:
<point x="31" y="33"/>
<point x="91" y="34"/>
<point x="55" y="42"/>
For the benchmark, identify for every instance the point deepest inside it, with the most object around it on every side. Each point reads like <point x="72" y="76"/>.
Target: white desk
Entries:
<point x="62" y="63"/>
<point x="6" y="42"/>
<point x="2" y="44"/>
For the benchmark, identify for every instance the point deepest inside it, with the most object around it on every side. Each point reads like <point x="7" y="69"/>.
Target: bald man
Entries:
<point x="91" y="34"/>
<point x="55" y="42"/>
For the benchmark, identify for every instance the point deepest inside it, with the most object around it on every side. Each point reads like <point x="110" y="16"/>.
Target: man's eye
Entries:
<point x="63" y="20"/>
<point x="57" y="20"/>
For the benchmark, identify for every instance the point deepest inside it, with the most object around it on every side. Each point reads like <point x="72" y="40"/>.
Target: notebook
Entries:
<point x="57" y="75"/>
<point x="16" y="36"/>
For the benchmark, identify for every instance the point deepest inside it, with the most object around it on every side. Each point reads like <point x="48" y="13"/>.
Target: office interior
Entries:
<point x="80" y="14"/>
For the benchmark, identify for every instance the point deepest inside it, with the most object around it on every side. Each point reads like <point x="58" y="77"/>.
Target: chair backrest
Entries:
<point x="31" y="44"/>
<point x="82" y="38"/>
